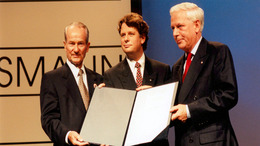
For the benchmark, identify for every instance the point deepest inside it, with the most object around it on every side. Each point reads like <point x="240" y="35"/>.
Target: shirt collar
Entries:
<point x="132" y="62"/>
<point x="195" y="48"/>
<point x="74" y="69"/>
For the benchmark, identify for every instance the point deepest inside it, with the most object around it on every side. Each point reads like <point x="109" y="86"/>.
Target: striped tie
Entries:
<point x="139" y="78"/>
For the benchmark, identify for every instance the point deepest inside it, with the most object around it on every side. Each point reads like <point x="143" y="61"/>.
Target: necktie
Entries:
<point x="83" y="90"/>
<point x="187" y="66"/>
<point x="139" y="78"/>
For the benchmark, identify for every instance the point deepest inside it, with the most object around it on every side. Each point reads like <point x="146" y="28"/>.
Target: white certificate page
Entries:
<point x="151" y="113"/>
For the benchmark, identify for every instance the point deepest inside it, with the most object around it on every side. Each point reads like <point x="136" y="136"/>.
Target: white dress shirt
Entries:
<point x="133" y="69"/>
<point x="193" y="52"/>
<point x="75" y="72"/>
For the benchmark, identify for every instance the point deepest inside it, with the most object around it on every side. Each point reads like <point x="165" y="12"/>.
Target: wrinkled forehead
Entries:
<point x="179" y="16"/>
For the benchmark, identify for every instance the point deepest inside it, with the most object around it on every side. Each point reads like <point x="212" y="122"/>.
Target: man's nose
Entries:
<point x="126" y="38"/>
<point x="175" y="32"/>
<point x="76" y="48"/>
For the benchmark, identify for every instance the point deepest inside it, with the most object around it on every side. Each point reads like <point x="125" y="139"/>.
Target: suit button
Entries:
<point x="195" y="98"/>
<point x="190" y="140"/>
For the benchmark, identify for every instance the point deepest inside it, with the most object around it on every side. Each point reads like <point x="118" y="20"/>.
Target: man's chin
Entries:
<point x="76" y="63"/>
<point x="182" y="47"/>
<point x="127" y="50"/>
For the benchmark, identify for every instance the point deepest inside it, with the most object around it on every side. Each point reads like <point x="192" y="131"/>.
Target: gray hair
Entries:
<point x="193" y="12"/>
<point x="80" y="25"/>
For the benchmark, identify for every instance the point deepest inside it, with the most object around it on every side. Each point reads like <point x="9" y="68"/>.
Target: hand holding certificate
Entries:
<point x="126" y="117"/>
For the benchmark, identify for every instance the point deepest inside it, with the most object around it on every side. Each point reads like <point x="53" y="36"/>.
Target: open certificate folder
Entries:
<point x="126" y="117"/>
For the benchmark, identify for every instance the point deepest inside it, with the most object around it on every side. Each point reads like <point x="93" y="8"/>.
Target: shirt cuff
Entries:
<point x="188" y="112"/>
<point x="66" y="138"/>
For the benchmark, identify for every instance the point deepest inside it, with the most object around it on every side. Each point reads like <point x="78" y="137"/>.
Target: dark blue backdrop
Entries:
<point x="233" y="22"/>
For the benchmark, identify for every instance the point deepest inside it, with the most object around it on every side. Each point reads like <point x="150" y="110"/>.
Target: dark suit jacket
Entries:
<point x="62" y="108"/>
<point x="120" y="76"/>
<point x="210" y="91"/>
<point x="155" y="73"/>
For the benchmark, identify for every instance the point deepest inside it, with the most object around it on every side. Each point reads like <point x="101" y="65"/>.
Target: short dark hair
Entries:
<point x="135" y="20"/>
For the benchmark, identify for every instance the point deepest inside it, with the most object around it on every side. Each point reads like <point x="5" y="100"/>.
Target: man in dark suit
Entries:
<point x="207" y="87"/>
<point x="125" y="75"/>
<point x="63" y="105"/>
<point x="134" y="36"/>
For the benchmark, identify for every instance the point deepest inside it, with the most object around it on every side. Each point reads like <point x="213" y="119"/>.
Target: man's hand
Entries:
<point x="143" y="87"/>
<point x="100" y="85"/>
<point x="179" y="112"/>
<point x="76" y="139"/>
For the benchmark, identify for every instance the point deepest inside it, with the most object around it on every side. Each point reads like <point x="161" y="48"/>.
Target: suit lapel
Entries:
<point x="126" y="76"/>
<point x="91" y="81"/>
<point x="149" y="76"/>
<point x="127" y="79"/>
<point x="72" y="88"/>
<point x="196" y="66"/>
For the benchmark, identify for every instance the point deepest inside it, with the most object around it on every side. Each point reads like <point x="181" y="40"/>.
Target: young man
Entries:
<point x="134" y="36"/>
<point x="136" y="71"/>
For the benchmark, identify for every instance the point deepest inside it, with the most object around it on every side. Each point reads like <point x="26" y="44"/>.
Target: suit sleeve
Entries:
<point x="168" y="74"/>
<point x="219" y="89"/>
<point x="107" y="79"/>
<point x="50" y="112"/>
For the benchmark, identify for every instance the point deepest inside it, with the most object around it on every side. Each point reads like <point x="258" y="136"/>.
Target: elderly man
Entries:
<point x="207" y="83"/>
<point x="66" y="91"/>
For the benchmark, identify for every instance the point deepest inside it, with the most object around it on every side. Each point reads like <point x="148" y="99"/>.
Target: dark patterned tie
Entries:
<point x="187" y="66"/>
<point x="83" y="90"/>
<point x="139" y="78"/>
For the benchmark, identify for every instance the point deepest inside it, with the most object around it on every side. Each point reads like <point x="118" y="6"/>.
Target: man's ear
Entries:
<point x="64" y="44"/>
<point x="143" y="38"/>
<point x="88" y="44"/>
<point x="197" y="25"/>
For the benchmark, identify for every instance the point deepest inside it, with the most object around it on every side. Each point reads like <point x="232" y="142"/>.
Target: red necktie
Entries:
<point x="187" y="66"/>
<point x="139" y="78"/>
